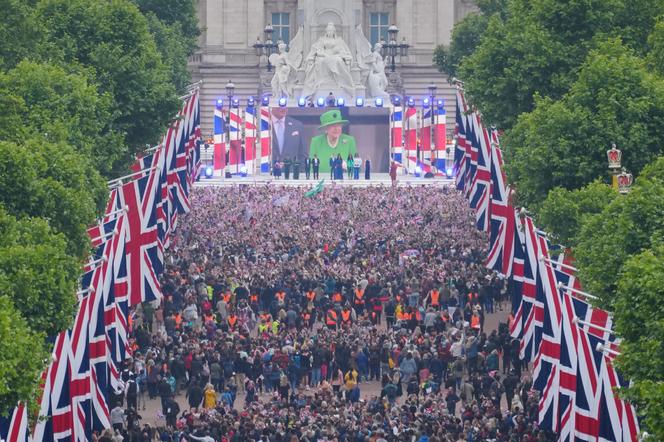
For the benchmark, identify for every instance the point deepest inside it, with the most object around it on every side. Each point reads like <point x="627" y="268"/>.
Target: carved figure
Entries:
<point x="328" y="62"/>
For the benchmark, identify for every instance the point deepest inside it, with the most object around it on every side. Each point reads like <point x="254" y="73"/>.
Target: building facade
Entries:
<point x="229" y="29"/>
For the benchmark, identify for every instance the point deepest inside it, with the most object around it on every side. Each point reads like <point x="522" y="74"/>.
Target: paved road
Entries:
<point x="152" y="412"/>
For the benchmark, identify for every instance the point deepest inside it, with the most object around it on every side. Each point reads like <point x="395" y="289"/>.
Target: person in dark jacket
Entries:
<point x="195" y="395"/>
<point x="367" y="169"/>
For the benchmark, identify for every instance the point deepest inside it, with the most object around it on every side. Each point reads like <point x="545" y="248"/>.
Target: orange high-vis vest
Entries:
<point x="253" y="298"/>
<point x="265" y="316"/>
<point x="311" y="296"/>
<point x="345" y="315"/>
<point x="359" y="296"/>
<point x="306" y="317"/>
<point x="178" y="321"/>
<point x="227" y="298"/>
<point x="435" y="298"/>
<point x="232" y="319"/>
<point x="281" y="296"/>
<point x="331" y="317"/>
<point x="336" y="297"/>
<point x="417" y="314"/>
<point x="475" y="322"/>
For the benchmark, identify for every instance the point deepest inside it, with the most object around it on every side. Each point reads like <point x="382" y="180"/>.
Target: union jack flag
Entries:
<point x="546" y="371"/>
<point x="501" y="245"/>
<point x="15" y="427"/>
<point x="142" y="246"/>
<point x="55" y="405"/>
<point x="396" y="132"/>
<point x="480" y="188"/>
<point x="461" y="151"/>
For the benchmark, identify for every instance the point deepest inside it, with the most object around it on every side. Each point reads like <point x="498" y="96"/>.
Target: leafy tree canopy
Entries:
<point x="564" y="211"/>
<point x="113" y="40"/>
<point x="563" y="143"/>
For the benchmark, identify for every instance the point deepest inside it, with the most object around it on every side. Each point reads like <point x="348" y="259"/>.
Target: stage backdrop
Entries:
<point x="369" y="126"/>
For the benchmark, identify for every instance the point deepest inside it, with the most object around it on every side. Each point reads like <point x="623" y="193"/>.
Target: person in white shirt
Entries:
<point x="357" y="164"/>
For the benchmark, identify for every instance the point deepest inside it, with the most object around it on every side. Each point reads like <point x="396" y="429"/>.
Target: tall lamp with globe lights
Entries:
<point x="393" y="48"/>
<point x="266" y="47"/>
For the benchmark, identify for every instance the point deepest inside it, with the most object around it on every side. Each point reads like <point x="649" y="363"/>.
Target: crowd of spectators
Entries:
<point x="353" y="315"/>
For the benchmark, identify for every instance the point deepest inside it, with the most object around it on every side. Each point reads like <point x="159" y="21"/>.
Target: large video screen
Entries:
<point x="326" y="132"/>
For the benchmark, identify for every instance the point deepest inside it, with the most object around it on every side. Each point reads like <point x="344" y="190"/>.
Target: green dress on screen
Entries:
<point x="319" y="146"/>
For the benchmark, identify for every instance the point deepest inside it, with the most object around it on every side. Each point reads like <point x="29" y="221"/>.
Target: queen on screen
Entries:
<point x="333" y="142"/>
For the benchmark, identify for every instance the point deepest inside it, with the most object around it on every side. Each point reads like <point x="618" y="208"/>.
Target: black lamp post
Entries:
<point x="267" y="47"/>
<point x="393" y="48"/>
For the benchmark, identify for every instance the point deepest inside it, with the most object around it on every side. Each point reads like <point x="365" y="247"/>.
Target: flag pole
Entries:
<point x="578" y="321"/>
<point x="116" y="181"/>
<point x="569" y="267"/>
<point x="105" y="235"/>
<point x="602" y="348"/>
<point x="577" y="291"/>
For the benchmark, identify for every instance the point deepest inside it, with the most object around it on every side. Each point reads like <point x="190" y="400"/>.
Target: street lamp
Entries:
<point x="266" y="47"/>
<point x="392" y="48"/>
<point x="614" y="156"/>
<point x="624" y="180"/>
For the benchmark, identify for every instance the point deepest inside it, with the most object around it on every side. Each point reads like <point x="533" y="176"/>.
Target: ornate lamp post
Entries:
<point x="614" y="156"/>
<point x="624" y="181"/>
<point x="392" y="48"/>
<point x="267" y="47"/>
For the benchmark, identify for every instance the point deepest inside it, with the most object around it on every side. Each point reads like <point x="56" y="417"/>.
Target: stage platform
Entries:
<point x="377" y="179"/>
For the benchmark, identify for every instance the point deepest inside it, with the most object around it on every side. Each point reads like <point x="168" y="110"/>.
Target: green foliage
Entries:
<point x="113" y="40"/>
<point x="22" y="360"/>
<point x="563" y="143"/>
<point x="627" y="226"/>
<point x="37" y="273"/>
<point x="466" y="36"/>
<point x="640" y="301"/>
<point x="66" y="107"/>
<point x="656" y="43"/>
<point x="174" y="50"/>
<point x="182" y="12"/>
<point x="536" y="47"/>
<point x="19" y="32"/>
<point x="43" y="179"/>
<point x="564" y="211"/>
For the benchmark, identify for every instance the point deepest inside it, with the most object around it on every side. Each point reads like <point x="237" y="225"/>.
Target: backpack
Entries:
<point x="132" y="388"/>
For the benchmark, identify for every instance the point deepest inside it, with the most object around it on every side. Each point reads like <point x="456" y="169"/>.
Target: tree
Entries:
<point x="65" y="106"/>
<point x="23" y="356"/>
<point x="37" y="273"/>
<point x="112" y="40"/>
<point x="627" y="226"/>
<point x="466" y="36"/>
<point x="43" y="179"/>
<point x="639" y="321"/>
<point x="174" y="49"/>
<point x="182" y="12"/>
<point x="564" y="211"/>
<point x="535" y="49"/>
<point x="563" y="143"/>
<point x="19" y="32"/>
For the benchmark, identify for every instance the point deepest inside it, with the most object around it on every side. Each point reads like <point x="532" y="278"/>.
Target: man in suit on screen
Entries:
<point x="287" y="133"/>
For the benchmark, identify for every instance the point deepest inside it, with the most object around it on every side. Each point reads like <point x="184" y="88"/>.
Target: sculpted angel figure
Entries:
<point x="372" y="65"/>
<point x="285" y="65"/>
<point x="328" y="62"/>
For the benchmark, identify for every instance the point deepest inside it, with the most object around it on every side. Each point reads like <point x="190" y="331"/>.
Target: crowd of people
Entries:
<point x="351" y="315"/>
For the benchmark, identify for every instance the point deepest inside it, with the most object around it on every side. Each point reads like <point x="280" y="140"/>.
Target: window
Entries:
<point x="379" y="22"/>
<point x="281" y="25"/>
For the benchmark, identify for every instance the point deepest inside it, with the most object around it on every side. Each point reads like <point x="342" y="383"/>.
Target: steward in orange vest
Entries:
<point x="346" y="316"/>
<point x="435" y="299"/>
<point x="311" y="296"/>
<point x="227" y="297"/>
<point x="281" y="297"/>
<point x="331" y="318"/>
<point x="232" y="321"/>
<point x="253" y="299"/>
<point x="359" y="300"/>
<point x="336" y="298"/>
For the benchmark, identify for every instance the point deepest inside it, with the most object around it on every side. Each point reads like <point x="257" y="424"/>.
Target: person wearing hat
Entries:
<point x="333" y="142"/>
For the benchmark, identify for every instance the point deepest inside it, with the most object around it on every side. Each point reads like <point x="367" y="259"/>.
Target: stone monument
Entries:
<point x="329" y="67"/>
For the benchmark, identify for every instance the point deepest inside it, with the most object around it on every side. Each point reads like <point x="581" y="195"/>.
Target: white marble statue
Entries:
<point x="371" y="64"/>
<point x="327" y="64"/>
<point x="286" y="64"/>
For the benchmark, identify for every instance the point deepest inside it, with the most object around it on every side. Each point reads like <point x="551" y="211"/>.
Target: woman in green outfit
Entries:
<point x="349" y="166"/>
<point x="333" y="142"/>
